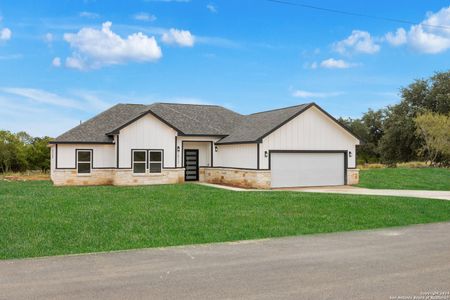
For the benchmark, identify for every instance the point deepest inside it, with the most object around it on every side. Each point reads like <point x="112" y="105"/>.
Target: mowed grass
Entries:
<point x="406" y="178"/>
<point x="38" y="219"/>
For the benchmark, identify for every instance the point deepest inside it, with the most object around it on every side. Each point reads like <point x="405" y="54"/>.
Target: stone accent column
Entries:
<point x="352" y="176"/>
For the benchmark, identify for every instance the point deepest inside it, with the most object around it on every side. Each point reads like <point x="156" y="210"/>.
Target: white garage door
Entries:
<point x="307" y="169"/>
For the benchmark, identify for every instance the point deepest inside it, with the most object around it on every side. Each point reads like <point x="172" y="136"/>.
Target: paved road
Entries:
<point x="374" y="264"/>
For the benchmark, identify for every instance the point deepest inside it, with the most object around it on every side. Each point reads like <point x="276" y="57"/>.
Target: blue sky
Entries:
<point x="65" y="61"/>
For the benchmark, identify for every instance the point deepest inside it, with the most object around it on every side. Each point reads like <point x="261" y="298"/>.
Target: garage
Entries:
<point x="297" y="169"/>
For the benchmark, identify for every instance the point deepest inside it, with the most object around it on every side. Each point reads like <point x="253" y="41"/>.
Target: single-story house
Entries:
<point x="134" y="144"/>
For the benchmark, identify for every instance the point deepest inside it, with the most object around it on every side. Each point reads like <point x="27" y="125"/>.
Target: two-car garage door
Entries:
<point x="307" y="168"/>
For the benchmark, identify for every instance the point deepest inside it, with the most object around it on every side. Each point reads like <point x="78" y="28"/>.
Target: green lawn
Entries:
<point x="37" y="219"/>
<point x="406" y="179"/>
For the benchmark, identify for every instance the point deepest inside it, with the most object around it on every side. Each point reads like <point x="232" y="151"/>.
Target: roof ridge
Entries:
<point x="132" y="104"/>
<point x="281" y="108"/>
<point x="192" y="104"/>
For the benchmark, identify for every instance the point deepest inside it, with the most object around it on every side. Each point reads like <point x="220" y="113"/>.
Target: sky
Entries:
<point x="62" y="62"/>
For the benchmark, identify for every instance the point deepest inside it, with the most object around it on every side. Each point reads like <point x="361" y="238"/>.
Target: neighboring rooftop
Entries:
<point x="187" y="119"/>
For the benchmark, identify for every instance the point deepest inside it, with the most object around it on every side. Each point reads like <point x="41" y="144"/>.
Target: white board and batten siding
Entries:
<point x="103" y="155"/>
<point x="236" y="156"/>
<point x="147" y="133"/>
<point x="311" y="130"/>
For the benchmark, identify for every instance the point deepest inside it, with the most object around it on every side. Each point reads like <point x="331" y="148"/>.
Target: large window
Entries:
<point x="139" y="161"/>
<point x="84" y="161"/>
<point x="155" y="161"/>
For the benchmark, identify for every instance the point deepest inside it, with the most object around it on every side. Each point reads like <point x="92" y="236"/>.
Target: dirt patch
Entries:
<point x="25" y="177"/>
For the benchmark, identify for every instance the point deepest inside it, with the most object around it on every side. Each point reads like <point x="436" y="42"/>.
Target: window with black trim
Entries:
<point x="84" y="161"/>
<point x="139" y="161"/>
<point x="155" y="161"/>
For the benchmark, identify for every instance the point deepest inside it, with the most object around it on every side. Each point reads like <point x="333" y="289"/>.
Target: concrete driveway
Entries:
<point x="378" y="264"/>
<point x="347" y="189"/>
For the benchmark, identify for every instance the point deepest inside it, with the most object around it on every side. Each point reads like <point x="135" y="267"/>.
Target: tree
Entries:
<point x="39" y="154"/>
<point x="399" y="141"/>
<point x="20" y="152"/>
<point x="12" y="153"/>
<point x="434" y="129"/>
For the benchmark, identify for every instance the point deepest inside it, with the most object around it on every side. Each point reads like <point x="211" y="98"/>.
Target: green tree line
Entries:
<point x="21" y="152"/>
<point x="417" y="128"/>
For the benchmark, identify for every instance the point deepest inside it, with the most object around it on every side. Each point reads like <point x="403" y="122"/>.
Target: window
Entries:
<point x="139" y="161"/>
<point x="155" y="160"/>
<point x="84" y="161"/>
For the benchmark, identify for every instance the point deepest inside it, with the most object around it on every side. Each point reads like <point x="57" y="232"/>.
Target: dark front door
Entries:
<point x="190" y="165"/>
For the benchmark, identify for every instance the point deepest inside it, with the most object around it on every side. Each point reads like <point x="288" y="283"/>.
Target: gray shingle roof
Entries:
<point x="253" y="127"/>
<point x="187" y="119"/>
<point x="193" y="119"/>
<point x="94" y="130"/>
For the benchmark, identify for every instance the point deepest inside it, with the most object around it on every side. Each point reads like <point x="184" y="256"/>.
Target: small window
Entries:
<point x="155" y="160"/>
<point x="84" y="161"/>
<point x="139" y="161"/>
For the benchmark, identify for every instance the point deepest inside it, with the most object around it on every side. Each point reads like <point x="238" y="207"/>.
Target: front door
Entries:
<point x="191" y="165"/>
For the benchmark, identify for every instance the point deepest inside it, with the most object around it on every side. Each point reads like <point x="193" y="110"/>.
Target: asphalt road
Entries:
<point x="378" y="264"/>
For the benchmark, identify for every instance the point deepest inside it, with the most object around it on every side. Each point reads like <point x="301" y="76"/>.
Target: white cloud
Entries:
<point x="358" y="42"/>
<point x="5" y="34"/>
<point x="79" y="99"/>
<point x="430" y="36"/>
<point x="306" y="94"/>
<point x="144" y="17"/>
<point x="212" y="8"/>
<point x="97" y="48"/>
<point x="48" y="37"/>
<point x="11" y="56"/>
<point x="89" y="15"/>
<point x="76" y="63"/>
<point x="332" y="63"/>
<point x="44" y="97"/>
<point x="398" y="38"/>
<point x="56" y="62"/>
<point x="182" y="38"/>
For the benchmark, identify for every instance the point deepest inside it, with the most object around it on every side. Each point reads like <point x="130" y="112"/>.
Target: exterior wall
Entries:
<point x="352" y="176"/>
<point x="236" y="177"/>
<point x="103" y="155"/>
<point x="147" y="133"/>
<point x="237" y="156"/>
<point x="311" y="130"/>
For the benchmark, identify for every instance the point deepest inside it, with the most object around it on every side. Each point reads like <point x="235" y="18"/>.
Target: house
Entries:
<point x="133" y="144"/>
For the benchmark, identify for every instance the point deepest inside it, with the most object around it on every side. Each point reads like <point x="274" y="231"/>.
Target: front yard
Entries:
<point x="406" y="179"/>
<point x="37" y="219"/>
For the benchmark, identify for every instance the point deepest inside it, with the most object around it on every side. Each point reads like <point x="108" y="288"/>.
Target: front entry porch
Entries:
<point x="196" y="155"/>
